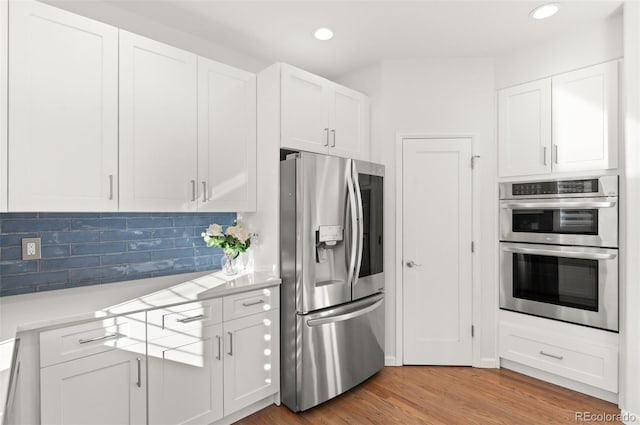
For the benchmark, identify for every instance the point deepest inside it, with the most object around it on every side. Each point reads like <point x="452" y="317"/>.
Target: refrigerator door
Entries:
<point x="325" y="226"/>
<point x="340" y="348"/>
<point x="369" y="274"/>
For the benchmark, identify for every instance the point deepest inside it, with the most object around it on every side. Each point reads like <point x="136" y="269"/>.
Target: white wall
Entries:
<point x="630" y="239"/>
<point x="599" y="42"/>
<point x="124" y="19"/>
<point x="437" y="96"/>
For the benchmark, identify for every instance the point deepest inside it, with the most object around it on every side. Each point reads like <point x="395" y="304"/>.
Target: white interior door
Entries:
<point x="437" y="219"/>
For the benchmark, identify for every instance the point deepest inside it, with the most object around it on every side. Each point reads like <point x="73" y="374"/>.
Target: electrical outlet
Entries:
<point x="31" y="249"/>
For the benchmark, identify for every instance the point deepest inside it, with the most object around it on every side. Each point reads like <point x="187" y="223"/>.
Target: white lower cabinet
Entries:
<point x="251" y="360"/>
<point x="578" y="353"/>
<point x="180" y="364"/>
<point x="185" y="377"/>
<point x="106" y="388"/>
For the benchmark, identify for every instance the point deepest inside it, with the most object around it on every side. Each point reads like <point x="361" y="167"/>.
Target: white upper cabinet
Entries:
<point x="305" y="110"/>
<point x="63" y="111"/>
<point x="158" y="126"/>
<point x="321" y="116"/>
<point x="524" y="121"/>
<point x="585" y="119"/>
<point x="349" y="123"/>
<point x="226" y="138"/>
<point x="561" y="124"/>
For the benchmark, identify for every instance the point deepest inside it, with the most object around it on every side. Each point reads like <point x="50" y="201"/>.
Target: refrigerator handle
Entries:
<point x="360" y="236"/>
<point x="353" y="245"/>
<point x="346" y="316"/>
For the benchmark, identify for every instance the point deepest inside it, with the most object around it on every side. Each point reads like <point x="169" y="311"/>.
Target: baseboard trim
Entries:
<point x="487" y="363"/>
<point x="249" y="410"/>
<point x="560" y="381"/>
<point x="629" y="418"/>
<point x="391" y="361"/>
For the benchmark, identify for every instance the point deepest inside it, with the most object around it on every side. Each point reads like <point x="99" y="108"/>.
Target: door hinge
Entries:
<point x="473" y="160"/>
<point x="472" y="331"/>
<point x="473" y="246"/>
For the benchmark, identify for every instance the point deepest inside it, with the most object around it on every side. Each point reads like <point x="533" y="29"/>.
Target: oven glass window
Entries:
<point x="582" y="222"/>
<point x="372" y="250"/>
<point x="570" y="282"/>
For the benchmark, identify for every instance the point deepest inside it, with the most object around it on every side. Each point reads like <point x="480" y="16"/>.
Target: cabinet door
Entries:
<point x="158" y="126"/>
<point x="226" y="137"/>
<point x="107" y="388"/>
<point x="251" y="360"/>
<point x="185" y="377"/>
<point x="305" y="110"/>
<point x="585" y="118"/>
<point x="524" y="129"/>
<point x="349" y="124"/>
<point x="63" y="111"/>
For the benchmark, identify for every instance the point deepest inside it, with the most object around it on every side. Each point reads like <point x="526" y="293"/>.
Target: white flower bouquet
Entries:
<point x="236" y="239"/>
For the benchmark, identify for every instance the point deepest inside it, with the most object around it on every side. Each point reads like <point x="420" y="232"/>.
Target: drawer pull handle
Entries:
<point x="249" y="304"/>
<point x="98" y="338"/>
<point x="230" y="352"/>
<point x="553" y="356"/>
<point x="219" y="356"/>
<point x="191" y="319"/>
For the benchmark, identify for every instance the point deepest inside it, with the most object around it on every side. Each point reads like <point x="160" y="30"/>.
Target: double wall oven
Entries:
<point x="559" y="250"/>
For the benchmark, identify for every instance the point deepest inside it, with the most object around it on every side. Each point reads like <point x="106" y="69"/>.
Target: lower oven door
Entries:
<point x="568" y="283"/>
<point x="339" y="348"/>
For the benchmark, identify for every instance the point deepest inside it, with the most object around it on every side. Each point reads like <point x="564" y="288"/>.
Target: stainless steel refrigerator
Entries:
<point x="332" y="299"/>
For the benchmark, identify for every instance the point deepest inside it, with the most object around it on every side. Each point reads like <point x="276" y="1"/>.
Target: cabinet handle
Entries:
<point x="98" y="338"/>
<point x="230" y="344"/>
<point x="553" y="356"/>
<point x="204" y="191"/>
<point x="219" y="356"/>
<point x="326" y="136"/>
<point x="193" y="191"/>
<point x="544" y="155"/>
<point x="555" y="153"/>
<point x="191" y="319"/>
<point x="249" y="304"/>
<point x="111" y="187"/>
<point x="139" y="383"/>
<point x="333" y="138"/>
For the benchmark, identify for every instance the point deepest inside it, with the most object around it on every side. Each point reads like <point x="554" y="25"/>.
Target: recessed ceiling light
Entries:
<point x="544" y="11"/>
<point x="323" y="34"/>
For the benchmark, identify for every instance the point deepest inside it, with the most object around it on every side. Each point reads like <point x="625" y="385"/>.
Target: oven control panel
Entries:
<point x="582" y="187"/>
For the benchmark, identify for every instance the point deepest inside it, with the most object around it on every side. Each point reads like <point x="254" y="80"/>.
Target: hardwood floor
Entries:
<point x="445" y="395"/>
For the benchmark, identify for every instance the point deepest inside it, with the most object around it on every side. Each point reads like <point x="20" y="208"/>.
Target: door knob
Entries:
<point x="412" y="264"/>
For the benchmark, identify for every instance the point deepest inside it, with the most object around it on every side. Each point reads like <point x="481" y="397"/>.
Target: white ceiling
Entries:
<point x="367" y="31"/>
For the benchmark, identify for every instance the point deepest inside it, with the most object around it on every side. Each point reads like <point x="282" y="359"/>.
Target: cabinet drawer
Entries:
<point x="184" y="318"/>
<point x="574" y="358"/>
<point x="73" y="342"/>
<point x="248" y="303"/>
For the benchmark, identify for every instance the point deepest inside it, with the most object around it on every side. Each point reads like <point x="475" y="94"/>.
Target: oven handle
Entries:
<point x="555" y="253"/>
<point x="567" y="205"/>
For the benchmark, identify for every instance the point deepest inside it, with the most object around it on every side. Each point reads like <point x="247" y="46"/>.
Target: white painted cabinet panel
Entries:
<point x="349" y="123"/>
<point x="585" y="118"/>
<point x="158" y="126"/>
<point x="251" y="360"/>
<point x="186" y="378"/>
<point x="107" y="388"/>
<point x="524" y="127"/>
<point x="305" y="110"/>
<point x="63" y="111"/>
<point x="226" y="138"/>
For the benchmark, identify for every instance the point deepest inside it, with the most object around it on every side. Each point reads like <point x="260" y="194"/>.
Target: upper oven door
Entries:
<point x="573" y="221"/>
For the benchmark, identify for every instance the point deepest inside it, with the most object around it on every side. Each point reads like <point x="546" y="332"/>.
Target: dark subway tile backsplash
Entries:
<point x="81" y="249"/>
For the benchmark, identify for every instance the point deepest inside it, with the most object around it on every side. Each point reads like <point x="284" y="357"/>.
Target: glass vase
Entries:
<point x="228" y="265"/>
